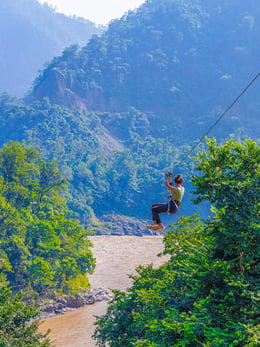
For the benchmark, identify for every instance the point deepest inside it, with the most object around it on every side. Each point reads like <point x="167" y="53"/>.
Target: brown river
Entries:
<point x="116" y="257"/>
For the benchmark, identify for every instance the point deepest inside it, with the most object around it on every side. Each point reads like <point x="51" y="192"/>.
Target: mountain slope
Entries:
<point x="168" y="57"/>
<point x="32" y="34"/>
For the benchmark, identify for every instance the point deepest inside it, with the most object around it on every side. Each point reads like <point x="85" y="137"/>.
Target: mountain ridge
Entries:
<point x="184" y="44"/>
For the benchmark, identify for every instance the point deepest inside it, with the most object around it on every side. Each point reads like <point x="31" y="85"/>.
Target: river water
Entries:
<point x="116" y="257"/>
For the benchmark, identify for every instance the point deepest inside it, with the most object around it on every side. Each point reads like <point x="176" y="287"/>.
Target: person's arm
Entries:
<point x="170" y="175"/>
<point x="168" y="184"/>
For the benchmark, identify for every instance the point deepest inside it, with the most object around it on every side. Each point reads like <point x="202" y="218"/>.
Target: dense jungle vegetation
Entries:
<point x="41" y="247"/>
<point x="207" y="294"/>
<point x="15" y="315"/>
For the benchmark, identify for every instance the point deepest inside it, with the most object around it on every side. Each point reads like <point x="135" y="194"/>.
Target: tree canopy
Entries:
<point x="41" y="247"/>
<point x="18" y="321"/>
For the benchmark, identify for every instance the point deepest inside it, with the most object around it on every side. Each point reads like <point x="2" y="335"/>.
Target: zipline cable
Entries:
<point x="196" y="145"/>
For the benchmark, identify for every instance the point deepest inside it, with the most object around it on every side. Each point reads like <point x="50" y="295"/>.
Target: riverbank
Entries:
<point x="116" y="257"/>
<point x="59" y="306"/>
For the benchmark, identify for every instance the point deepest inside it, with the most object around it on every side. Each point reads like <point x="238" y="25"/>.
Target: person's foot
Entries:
<point x="155" y="227"/>
<point x="152" y="226"/>
<point x="159" y="228"/>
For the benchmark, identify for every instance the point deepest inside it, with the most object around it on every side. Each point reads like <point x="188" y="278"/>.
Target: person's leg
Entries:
<point x="156" y="209"/>
<point x="153" y="206"/>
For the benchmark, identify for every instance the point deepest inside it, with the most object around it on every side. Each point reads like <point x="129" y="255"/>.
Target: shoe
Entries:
<point x="159" y="228"/>
<point x="155" y="227"/>
<point x="152" y="226"/>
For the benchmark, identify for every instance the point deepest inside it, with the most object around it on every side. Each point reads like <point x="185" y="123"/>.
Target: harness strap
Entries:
<point x="177" y="204"/>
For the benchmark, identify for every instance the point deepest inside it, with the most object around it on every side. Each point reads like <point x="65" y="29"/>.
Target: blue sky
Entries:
<point x="98" y="11"/>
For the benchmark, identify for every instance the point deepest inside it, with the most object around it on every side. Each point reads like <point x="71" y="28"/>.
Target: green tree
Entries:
<point x="18" y="169"/>
<point x="51" y="182"/>
<point x="18" y="322"/>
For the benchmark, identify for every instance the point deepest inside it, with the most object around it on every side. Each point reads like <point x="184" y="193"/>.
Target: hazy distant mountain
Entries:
<point x="30" y="35"/>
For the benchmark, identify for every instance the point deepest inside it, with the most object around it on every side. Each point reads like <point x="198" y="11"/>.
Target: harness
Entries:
<point x="171" y="201"/>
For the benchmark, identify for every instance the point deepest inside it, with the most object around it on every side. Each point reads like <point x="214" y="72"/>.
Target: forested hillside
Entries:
<point x="106" y="173"/>
<point x="178" y="59"/>
<point x="121" y="111"/>
<point x="31" y="34"/>
<point x="41" y="247"/>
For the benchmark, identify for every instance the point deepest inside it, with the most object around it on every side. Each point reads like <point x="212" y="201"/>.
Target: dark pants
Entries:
<point x="159" y="208"/>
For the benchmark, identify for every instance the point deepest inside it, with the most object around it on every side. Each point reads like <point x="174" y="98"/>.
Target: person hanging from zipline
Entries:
<point x="175" y="197"/>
